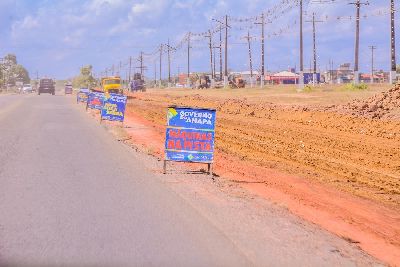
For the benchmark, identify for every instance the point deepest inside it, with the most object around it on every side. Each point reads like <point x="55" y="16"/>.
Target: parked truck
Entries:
<point x="110" y="85"/>
<point x="138" y="84"/>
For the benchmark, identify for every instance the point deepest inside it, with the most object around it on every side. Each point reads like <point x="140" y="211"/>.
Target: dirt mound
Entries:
<point x="383" y="105"/>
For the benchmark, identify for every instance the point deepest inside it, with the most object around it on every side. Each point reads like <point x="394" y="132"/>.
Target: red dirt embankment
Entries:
<point x="339" y="171"/>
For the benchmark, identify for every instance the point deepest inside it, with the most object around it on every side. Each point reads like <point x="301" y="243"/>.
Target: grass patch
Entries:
<point x="355" y="87"/>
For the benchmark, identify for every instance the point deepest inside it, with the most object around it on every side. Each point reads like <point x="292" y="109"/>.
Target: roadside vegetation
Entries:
<point x="12" y="73"/>
<point x="85" y="78"/>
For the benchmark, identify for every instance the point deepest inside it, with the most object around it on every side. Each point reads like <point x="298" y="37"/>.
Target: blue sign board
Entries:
<point x="95" y="100"/>
<point x="190" y="134"/>
<point x="113" y="108"/>
<point x="308" y="78"/>
<point x="82" y="95"/>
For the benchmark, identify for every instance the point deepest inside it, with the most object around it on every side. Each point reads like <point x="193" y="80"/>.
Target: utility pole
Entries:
<point x="248" y="38"/>
<point x="262" y="49"/>
<point x="215" y="73"/>
<point x="220" y="52"/>
<point x="188" y="60"/>
<point x="141" y="64"/>
<point x="372" y="47"/>
<point x="130" y="69"/>
<point x="113" y="69"/>
<point x="226" y="52"/>
<point x="330" y="71"/>
<point x="211" y="52"/>
<point x="314" y="49"/>
<point x="169" y="64"/>
<point x="357" y="44"/>
<point x="301" y="79"/>
<point x="393" y="73"/>
<point x="226" y="48"/>
<point x="155" y="73"/>
<point x="161" y="50"/>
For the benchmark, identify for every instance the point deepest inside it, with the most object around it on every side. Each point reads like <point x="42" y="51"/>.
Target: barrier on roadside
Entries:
<point x="190" y="135"/>
<point x="95" y="100"/>
<point x="113" y="108"/>
<point x="82" y="95"/>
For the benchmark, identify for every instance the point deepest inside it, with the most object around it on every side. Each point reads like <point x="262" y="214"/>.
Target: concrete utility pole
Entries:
<point x="220" y="52"/>
<point x="313" y="21"/>
<point x="393" y="74"/>
<point x="169" y="64"/>
<point x="214" y="60"/>
<point x="331" y="71"/>
<point x="262" y="49"/>
<point x="248" y="38"/>
<point x="226" y="51"/>
<point x="130" y="69"/>
<point x="226" y="48"/>
<point x="210" y="46"/>
<point x="357" y="43"/>
<point x="141" y="64"/>
<point x="155" y="73"/>
<point x="372" y="47"/>
<point x="161" y="50"/>
<point x="301" y="78"/>
<point x="188" y="60"/>
<point x="169" y="49"/>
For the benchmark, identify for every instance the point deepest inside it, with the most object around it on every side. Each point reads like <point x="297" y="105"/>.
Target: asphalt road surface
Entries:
<point x="71" y="195"/>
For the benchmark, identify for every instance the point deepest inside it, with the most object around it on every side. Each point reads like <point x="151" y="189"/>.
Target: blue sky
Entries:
<point x="57" y="37"/>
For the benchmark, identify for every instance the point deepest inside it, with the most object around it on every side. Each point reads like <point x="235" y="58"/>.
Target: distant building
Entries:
<point x="344" y="74"/>
<point x="283" y="77"/>
<point x="379" y="77"/>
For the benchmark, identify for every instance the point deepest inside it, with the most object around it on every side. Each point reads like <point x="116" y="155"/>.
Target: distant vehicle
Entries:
<point x="110" y="85"/>
<point x="203" y="82"/>
<point x="46" y="86"/>
<point x="27" y="88"/>
<point x="138" y="83"/>
<point x="236" y="82"/>
<point x="68" y="89"/>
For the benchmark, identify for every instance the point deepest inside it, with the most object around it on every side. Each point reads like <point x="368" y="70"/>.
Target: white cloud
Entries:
<point x="28" y="23"/>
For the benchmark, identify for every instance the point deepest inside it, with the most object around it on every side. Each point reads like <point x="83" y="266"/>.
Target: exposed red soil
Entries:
<point x="372" y="224"/>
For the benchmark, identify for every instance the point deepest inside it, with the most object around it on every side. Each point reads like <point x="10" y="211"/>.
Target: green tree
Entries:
<point x="10" y="71"/>
<point x="20" y="73"/>
<point x="10" y="59"/>
<point x="85" y="78"/>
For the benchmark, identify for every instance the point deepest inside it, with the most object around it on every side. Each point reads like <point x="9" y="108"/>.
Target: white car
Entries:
<point x="27" y="88"/>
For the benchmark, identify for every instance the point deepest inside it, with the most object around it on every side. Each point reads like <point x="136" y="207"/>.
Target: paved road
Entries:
<point x="72" y="195"/>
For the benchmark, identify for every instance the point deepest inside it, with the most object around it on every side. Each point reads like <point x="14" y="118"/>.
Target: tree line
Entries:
<point x="11" y="72"/>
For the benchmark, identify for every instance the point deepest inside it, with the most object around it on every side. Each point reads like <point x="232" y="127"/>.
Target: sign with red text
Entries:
<point x="190" y="134"/>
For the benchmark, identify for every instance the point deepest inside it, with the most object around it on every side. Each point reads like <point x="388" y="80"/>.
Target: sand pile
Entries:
<point x="382" y="105"/>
